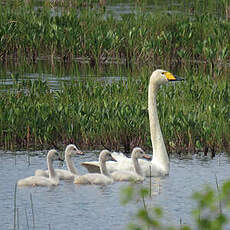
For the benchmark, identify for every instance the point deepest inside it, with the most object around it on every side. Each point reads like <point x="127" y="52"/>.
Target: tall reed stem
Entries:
<point x="218" y="191"/>
<point x="27" y="222"/>
<point x="17" y="218"/>
<point x="32" y="208"/>
<point x="15" y="205"/>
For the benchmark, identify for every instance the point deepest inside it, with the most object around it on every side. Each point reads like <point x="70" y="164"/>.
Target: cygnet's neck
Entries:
<point x="136" y="165"/>
<point x="103" y="168"/>
<point x="159" y="151"/>
<point x="70" y="165"/>
<point x="52" y="173"/>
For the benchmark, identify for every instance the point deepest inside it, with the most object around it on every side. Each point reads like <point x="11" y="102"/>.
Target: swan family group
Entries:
<point x="52" y="176"/>
<point x="121" y="168"/>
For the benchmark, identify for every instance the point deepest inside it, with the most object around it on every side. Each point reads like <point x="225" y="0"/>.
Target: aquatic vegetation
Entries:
<point x="93" y="35"/>
<point x="194" y="115"/>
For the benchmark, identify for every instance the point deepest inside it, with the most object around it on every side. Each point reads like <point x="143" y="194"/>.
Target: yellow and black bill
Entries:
<point x="172" y="77"/>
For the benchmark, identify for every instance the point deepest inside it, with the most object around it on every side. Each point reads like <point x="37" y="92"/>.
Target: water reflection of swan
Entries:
<point x="160" y="162"/>
<point x="40" y="180"/>
<point x="102" y="178"/>
<point x="71" y="150"/>
<point x="128" y="175"/>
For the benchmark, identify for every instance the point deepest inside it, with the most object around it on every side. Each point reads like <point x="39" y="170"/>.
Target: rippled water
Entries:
<point x="70" y="206"/>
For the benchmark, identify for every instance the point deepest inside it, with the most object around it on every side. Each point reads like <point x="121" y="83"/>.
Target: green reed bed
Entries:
<point x="96" y="36"/>
<point x="194" y="115"/>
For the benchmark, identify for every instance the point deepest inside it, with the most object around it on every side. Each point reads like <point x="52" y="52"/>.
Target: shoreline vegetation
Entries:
<point x="194" y="115"/>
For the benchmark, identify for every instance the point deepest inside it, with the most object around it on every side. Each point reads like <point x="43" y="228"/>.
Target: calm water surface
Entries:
<point x="58" y="73"/>
<point x="70" y="206"/>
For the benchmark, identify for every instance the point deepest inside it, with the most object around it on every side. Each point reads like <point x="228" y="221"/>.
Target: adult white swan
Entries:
<point x="71" y="150"/>
<point x="52" y="180"/>
<point x="128" y="175"/>
<point x="159" y="165"/>
<point x="102" y="178"/>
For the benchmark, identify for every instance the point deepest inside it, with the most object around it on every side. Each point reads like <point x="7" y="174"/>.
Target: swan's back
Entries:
<point x="37" y="181"/>
<point x="64" y="174"/>
<point x="40" y="172"/>
<point x="124" y="175"/>
<point x="93" y="178"/>
<point x="61" y="173"/>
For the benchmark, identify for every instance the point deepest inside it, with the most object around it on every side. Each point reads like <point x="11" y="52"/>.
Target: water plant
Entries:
<point x="97" y="37"/>
<point x="194" y="116"/>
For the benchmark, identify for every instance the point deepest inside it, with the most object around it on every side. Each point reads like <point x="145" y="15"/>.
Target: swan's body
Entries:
<point x="52" y="180"/>
<point x="159" y="165"/>
<point x="128" y="175"/>
<point x="71" y="150"/>
<point x="102" y="178"/>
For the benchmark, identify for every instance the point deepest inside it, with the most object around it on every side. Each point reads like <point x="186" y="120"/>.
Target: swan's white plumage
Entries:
<point x="52" y="180"/>
<point x="125" y="175"/>
<point x="71" y="150"/>
<point x="159" y="165"/>
<point x="37" y="181"/>
<point x="93" y="178"/>
<point x="118" y="156"/>
<point x="128" y="175"/>
<point x="102" y="178"/>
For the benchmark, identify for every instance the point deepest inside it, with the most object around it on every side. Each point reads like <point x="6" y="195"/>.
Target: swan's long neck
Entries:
<point x="159" y="151"/>
<point x="52" y="174"/>
<point x="136" y="166"/>
<point x="70" y="165"/>
<point x="103" y="168"/>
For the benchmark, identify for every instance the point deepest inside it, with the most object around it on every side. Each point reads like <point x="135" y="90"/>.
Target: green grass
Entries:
<point x="194" y="115"/>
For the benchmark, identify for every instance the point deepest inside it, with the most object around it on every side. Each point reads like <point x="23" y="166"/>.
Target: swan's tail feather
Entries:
<point x="92" y="166"/>
<point x="21" y="182"/>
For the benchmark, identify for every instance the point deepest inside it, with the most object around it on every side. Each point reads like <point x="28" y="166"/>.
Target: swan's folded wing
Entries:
<point x="118" y="156"/>
<point x="91" y="166"/>
<point x="64" y="174"/>
<point x="124" y="175"/>
<point x="36" y="181"/>
<point x="93" y="178"/>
